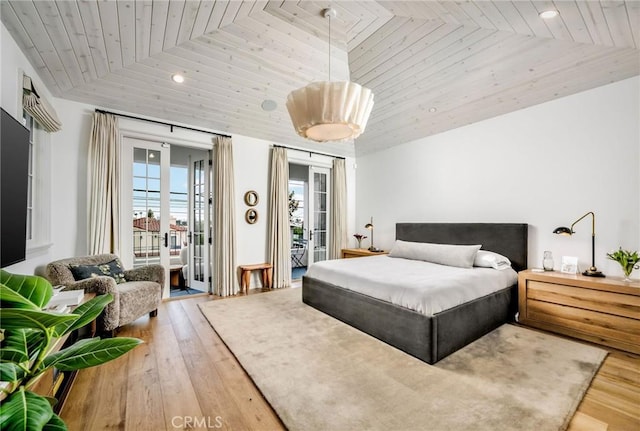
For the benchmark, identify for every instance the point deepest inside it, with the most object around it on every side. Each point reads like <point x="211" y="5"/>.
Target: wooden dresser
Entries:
<point x="600" y="310"/>
<point x="360" y="252"/>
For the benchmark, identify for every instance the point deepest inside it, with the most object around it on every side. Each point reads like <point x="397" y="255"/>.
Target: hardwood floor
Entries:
<point x="184" y="377"/>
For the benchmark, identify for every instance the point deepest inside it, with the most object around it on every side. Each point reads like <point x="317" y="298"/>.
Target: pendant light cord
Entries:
<point x="329" y="47"/>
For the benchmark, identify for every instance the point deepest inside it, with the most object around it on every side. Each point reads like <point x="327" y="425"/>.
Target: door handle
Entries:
<point x="310" y="235"/>
<point x="166" y="239"/>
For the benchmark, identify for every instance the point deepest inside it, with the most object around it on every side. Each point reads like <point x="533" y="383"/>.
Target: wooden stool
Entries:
<point x="245" y="276"/>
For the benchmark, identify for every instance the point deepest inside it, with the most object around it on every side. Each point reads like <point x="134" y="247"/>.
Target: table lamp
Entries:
<point x="592" y="271"/>
<point x="370" y="227"/>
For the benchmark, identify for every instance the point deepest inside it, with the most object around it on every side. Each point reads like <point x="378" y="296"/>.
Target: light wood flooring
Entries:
<point x="184" y="377"/>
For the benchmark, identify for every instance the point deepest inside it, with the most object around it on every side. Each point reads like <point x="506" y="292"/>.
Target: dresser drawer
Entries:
<point x="606" y="302"/>
<point x="618" y="328"/>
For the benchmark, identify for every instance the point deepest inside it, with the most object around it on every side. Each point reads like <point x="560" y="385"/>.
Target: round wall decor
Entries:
<point x="251" y="198"/>
<point x="251" y="216"/>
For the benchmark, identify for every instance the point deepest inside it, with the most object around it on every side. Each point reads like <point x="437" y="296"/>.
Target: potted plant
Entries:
<point x="359" y="239"/>
<point x="28" y="334"/>
<point x="627" y="260"/>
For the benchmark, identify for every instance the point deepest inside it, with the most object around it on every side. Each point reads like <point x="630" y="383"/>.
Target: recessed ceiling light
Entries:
<point x="269" y="105"/>
<point x="176" y="77"/>
<point x="548" y="14"/>
<point x="433" y="109"/>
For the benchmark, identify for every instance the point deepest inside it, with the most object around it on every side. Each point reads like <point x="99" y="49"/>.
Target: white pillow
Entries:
<point x="445" y="254"/>
<point x="489" y="259"/>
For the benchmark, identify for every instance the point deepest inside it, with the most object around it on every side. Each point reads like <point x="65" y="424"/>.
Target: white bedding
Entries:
<point x="428" y="288"/>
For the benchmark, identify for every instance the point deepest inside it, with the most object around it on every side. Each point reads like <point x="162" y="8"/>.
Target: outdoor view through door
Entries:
<point x="308" y="207"/>
<point x="171" y="213"/>
<point x="149" y="204"/>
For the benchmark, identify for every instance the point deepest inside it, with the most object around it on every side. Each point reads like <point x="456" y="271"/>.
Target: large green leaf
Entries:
<point x="53" y="358"/>
<point x="18" y="318"/>
<point x="10" y="372"/>
<point x="36" y="289"/>
<point x="19" y="345"/>
<point x="55" y="424"/>
<point x="24" y="411"/>
<point x="10" y="354"/>
<point x="9" y="298"/>
<point x="90" y="352"/>
<point x="87" y="312"/>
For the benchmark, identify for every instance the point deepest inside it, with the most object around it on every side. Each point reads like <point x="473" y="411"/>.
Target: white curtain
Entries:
<point x="338" y="209"/>
<point x="224" y="237"/>
<point x="104" y="193"/>
<point x="279" y="230"/>
<point x="38" y="107"/>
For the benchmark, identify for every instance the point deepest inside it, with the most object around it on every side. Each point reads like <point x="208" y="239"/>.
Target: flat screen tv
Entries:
<point x="14" y="177"/>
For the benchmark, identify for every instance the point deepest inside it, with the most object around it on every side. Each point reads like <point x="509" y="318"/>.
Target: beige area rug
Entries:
<point x="321" y="374"/>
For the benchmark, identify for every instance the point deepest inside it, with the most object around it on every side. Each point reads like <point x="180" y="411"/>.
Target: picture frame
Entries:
<point x="569" y="265"/>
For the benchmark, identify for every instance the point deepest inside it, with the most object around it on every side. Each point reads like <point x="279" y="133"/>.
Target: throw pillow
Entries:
<point x="445" y="254"/>
<point x="111" y="269"/>
<point x="489" y="259"/>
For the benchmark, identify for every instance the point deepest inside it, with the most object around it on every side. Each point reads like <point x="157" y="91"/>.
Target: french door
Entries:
<point x="318" y="214"/>
<point x="145" y="205"/>
<point x="199" y="224"/>
<point x="166" y="206"/>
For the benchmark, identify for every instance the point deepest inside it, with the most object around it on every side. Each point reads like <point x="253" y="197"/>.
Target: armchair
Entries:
<point x="140" y="293"/>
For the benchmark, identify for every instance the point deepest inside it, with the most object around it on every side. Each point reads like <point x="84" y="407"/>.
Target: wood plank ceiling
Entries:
<point x="432" y="65"/>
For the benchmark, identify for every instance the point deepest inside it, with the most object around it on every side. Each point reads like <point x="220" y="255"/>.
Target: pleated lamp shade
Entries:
<point x="330" y="110"/>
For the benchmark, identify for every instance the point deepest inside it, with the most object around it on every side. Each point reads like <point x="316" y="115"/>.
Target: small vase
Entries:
<point x="359" y="242"/>
<point x="547" y="261"/>
<point x="627" y="272"/>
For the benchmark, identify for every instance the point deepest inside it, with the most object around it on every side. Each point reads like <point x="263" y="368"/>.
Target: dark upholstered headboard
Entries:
<point x="508" y="239"/>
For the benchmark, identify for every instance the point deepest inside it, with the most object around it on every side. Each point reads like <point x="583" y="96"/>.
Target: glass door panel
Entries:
<point x="146" y="207"/>
<point x="145" y="201"/>
<point x="199" y="224"/>
<point x="319" y="214"/>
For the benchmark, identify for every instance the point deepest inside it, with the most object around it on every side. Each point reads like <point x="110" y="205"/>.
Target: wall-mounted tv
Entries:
<point x="14" y="177"/>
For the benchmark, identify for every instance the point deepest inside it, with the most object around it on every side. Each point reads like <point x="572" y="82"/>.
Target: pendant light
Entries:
<point x="330" y="110"/>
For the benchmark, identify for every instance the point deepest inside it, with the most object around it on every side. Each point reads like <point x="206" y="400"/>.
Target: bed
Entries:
<point x="430" y="338"/>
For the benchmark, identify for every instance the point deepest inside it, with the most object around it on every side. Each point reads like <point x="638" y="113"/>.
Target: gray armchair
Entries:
<point x="138" y="294"/>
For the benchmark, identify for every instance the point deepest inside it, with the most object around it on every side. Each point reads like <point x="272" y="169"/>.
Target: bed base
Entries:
<point x="430" y="338"/>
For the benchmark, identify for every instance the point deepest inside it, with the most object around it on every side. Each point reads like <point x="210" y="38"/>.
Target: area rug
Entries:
<point x="321" y="374"/>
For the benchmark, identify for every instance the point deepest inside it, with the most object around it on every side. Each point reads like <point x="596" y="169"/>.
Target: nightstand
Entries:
<point x="600" y="310"/>
<point x="360" y="252"/>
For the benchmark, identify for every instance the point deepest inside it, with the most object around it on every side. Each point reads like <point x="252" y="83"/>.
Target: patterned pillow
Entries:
<point x="111" y="269"/>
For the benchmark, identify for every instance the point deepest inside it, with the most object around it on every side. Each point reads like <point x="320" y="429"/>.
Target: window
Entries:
<point x="39" y="187"/>
<point x="29" y="123"/>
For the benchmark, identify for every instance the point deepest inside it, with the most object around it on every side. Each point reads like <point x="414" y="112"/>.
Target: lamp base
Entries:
<point x="593" y="272"/>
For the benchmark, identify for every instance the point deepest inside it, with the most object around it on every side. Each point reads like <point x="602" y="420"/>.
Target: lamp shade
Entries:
<point x="563" y="231"/>
<point x="330" y="110"/>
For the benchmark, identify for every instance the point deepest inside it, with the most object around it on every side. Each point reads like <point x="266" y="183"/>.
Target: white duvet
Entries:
<point x="425" y="287"/>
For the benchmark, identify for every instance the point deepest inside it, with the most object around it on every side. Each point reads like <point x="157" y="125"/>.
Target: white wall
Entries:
<point x="251" y="160"/>
<point x="546" y="165"/>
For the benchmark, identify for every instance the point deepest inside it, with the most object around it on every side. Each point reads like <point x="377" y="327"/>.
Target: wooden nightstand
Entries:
<point x="601" y="310"/>
<point x="359" y="252"/>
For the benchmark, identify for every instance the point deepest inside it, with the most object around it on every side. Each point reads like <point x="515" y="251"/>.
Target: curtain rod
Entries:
<point x="101" y="111"/>
<point x="308" y="151"/>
